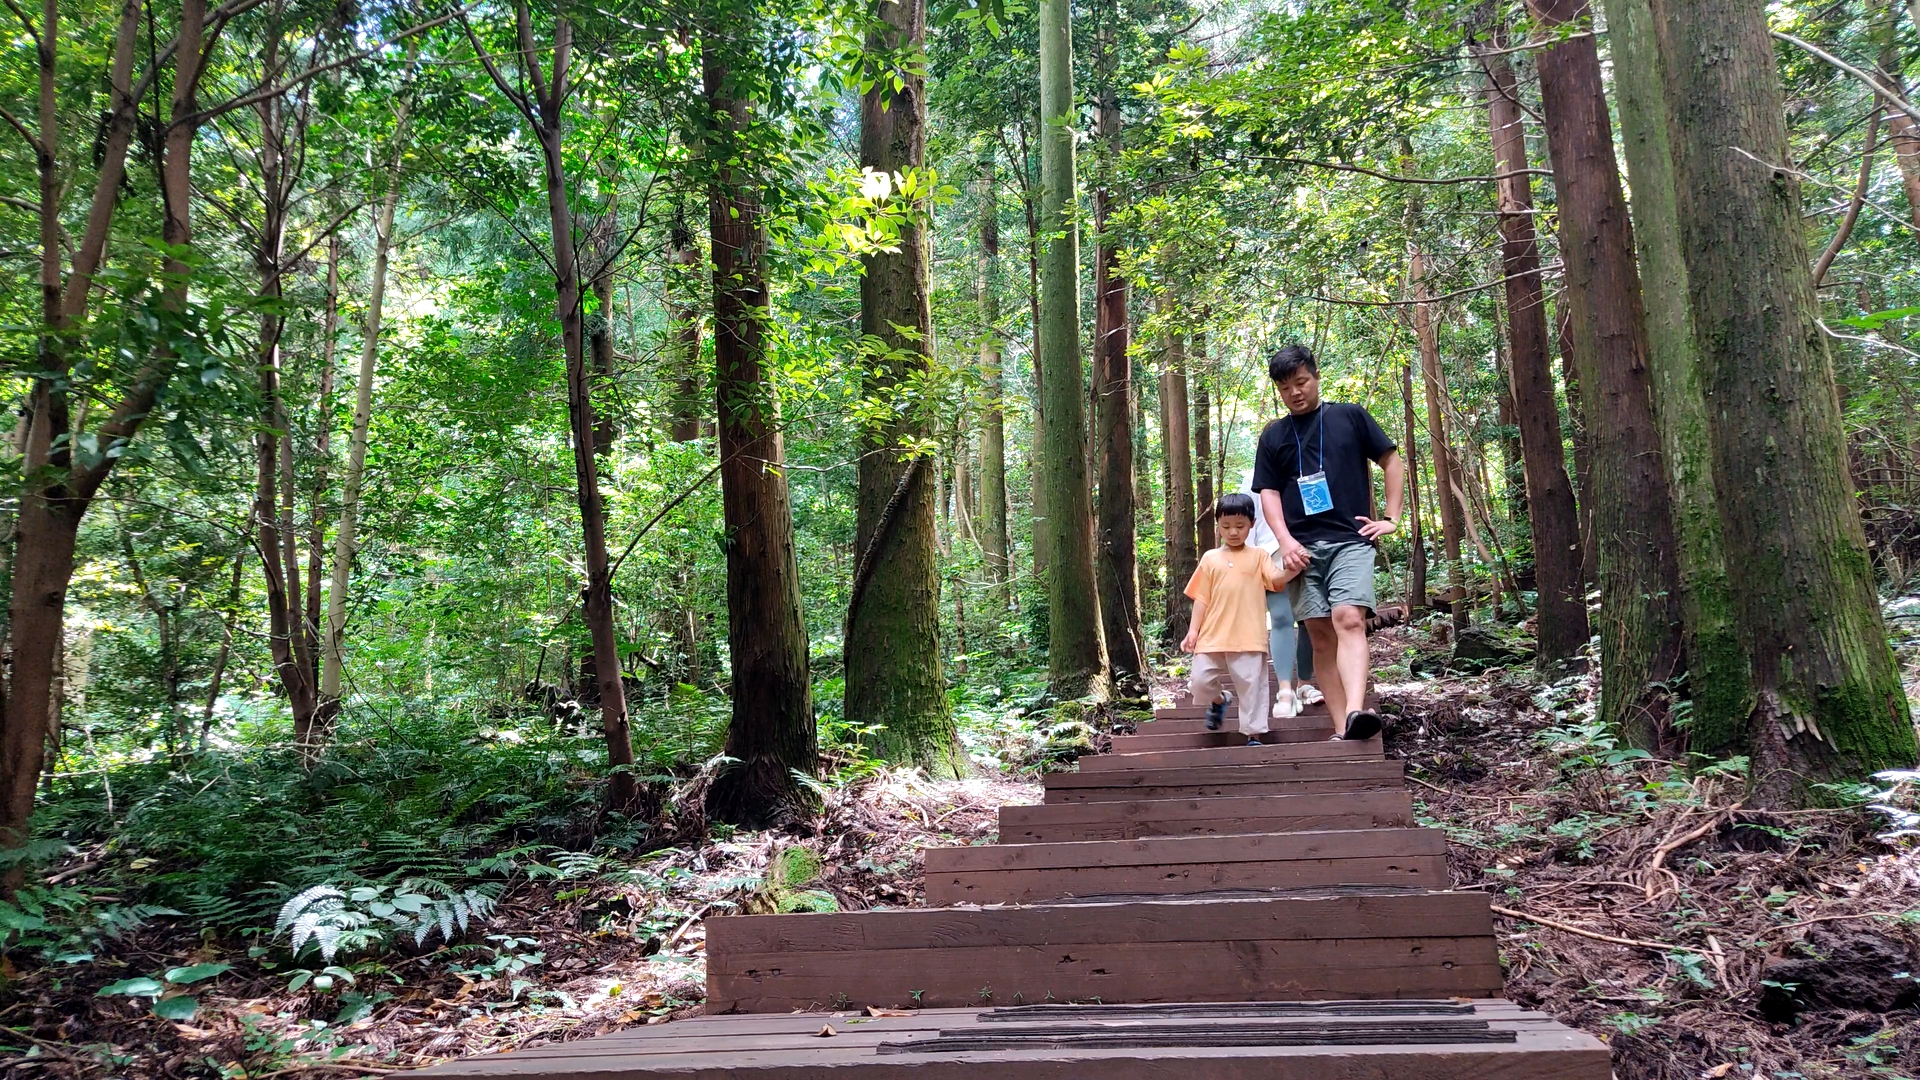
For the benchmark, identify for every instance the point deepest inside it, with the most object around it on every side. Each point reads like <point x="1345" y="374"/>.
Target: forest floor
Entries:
<point x="1636" y="901"/>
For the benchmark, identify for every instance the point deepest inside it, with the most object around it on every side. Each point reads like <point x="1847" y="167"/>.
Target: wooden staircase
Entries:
<point x="1186" y="905"/>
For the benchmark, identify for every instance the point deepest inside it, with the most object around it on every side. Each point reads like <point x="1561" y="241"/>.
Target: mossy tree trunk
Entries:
<point x="1828" y="700"/>
<point x="1177" y="517"/>
<point x="1632" y="511"/>
<point x="892" y="653"/>
<point x="1717" y="675"/>
<point x="993" y="413"/>
<point x="1116" y="552"/>
<point x="1076" y="655"/>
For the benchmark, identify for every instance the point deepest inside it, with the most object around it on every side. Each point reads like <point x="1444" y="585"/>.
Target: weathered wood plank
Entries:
<point x="1040" y="886"/>
<point x="1175" y="850"/>
<point x="1052" y="822"/>
<point x="1322" y="750"/>
<point x="1150" y="740"/>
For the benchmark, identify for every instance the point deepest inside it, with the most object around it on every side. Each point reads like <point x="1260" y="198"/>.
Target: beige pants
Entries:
<point x="1245" y="673"/>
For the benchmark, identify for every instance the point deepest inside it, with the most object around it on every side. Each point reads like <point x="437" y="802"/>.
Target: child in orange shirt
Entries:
<point x="1228" y="634"/>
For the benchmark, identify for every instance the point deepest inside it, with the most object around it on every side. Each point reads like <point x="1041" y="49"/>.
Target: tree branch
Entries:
<point x="311" y="73"/>
<point x="1893" y="99"/>
<point x="1482" y="287"/>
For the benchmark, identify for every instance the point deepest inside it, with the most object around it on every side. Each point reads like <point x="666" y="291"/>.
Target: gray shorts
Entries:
<point x="1340" y="573"/>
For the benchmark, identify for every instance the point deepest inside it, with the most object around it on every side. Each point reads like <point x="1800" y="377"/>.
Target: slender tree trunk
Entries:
<point x="1076" y="656"/>
<point x="892" y="653"/>
<point x="772" y="734"/>
<point x="1446" y="471"/>
<point x="1119" y="571"/>
<point x="1036" y="453"/>
<point x="1416" y="542"/>
<point x="1828" y="700"/>
<point x="1562" y="611"/>
<point x="1718" y="678"/>
<point x="993" y="415"/>
<point x="310" y="624"/>
<point x="1633" y="513"/>
<point x="1204" y="493"/>
<point x="603" y="247"/>
<point x="1902" y="131"/>
<point x="346" y="538"/>
<point x="1177" y="521"/>
<point x="1582" y="447"/>
<point x="683" y="329"/>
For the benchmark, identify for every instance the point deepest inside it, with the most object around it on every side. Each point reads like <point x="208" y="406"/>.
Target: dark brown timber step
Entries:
<point x="1282" y="778"/>
<point x="1308" y="945"/>
<point x="1384" y="809"/>
<point x="1495" y="1040"/>
<point x="1199" y="712"/>
<point x="1322" y="750"/>
<point x="1319" y="721"/>
<point x="1173" y="865"/>
<point x="1152" y="741"/>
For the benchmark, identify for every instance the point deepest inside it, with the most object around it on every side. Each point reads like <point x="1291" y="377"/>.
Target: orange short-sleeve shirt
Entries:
<point x="1233" y="585"/>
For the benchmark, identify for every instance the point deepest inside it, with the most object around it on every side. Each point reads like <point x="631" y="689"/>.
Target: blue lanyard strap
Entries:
<point x="1299" y="453"/>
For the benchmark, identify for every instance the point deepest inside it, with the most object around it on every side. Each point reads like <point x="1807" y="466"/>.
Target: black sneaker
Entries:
<point x="1216" y="715"/>
<point x="1362" y="724"/>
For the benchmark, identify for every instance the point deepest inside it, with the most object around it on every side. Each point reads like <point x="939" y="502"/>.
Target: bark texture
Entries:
<point x="993" y="412"/>
<point x="1562" y="608"/>
<point x="1204" y="495"/>
<point x="1718" y="679"/>
<point x="1632" y="511"/>
<point x="1076" y="655"/>
<point x="772" y="735"/>
<point x="1119" y="570"/>
<point x="1177" y="516"/>
<point x="1828" y="700"/>
<point x="892" y="653"/>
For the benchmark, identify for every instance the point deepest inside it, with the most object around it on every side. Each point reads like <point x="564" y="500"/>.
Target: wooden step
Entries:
<point x="1310" y="721"/>
<point x="1426" y="1040"/>
<point x="1278" y="778"/>
<point x="1332" y="943"/>
<point x="1052" y="823"/>
<point x="1175" y="865"/>
<point x="1322" y="750"/>
<point x="1149" y="740"/>
<point x="1199" y="712"/>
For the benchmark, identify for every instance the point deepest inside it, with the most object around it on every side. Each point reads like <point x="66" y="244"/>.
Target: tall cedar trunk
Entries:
<point x="683" y="329"/>
<point x="323" y="716"/>
<point x="1513" y="478"/>
<point x="892" y="653"/>
<point x="1632" y="511"/>
<point x="1828" y="699"/>
<point x="603" y="246"/>
<point x="544" y="106"/>
<point x="1119" y="571"/>
<point x="1582" y="448"/>
<point x="273" y="443"/>
<point x="1204" y="493"/>
<point x="1446" y="470"/>
<point x="1177" y="520"/>
<point x="1416" y="541"/>
<point x="1903" y="132"/>
<point x="1551" y="510"/>
<point x="48" y="521"/>
<point x="1036" y="452"/>
<point x="993" y="413"/>
<point x="346" y="542"/>
<point x="772" y="733"/>
<point x="1076" y="656"/>
<point x="1718" y="678"/>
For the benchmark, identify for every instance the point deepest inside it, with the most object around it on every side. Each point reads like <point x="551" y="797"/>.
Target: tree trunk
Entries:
<point x="993" y="415"/>
<point x="892" y="652"/>
<point x="1416" y="542"/>
<point x="1632" y="511"/>
<point x="1902" y="131"/>
<point x="772" y="733"/>
<point x="1076" y="656"/>
<point x="1446" y="471"/>
<point x="310" y="623"/>
<point x="603" y="246"/>
<point x="346" y="540"/>
<point x="1119" y="571"/>
<point x="1828" y="700"/>
<point x="1177" y="519"/>
<point x="1582" y="447"/>
<point x="1718" y="679"/>
<point x="1204" y="493"/>
<point x="1562" y="610"/>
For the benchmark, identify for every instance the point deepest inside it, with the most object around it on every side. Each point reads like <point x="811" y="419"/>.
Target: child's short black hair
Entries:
<point x="1234" y="504"/>
<point x="1283" y="363"/>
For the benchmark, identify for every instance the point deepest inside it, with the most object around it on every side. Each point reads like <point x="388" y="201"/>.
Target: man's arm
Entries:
<point x="1396" y="470"/>
<point x="1291" y="553"/>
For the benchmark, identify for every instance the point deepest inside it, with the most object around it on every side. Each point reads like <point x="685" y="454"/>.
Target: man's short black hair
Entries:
<point x="1234" y="504"/>
<point x="1289" y="359"/>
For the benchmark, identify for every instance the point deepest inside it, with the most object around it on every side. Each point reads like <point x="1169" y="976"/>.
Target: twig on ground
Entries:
<point x="1668" y="847"/>
<point x="684" y="927"/>
<point x="1595" y="934"/>
<point x="1836" y="918"/>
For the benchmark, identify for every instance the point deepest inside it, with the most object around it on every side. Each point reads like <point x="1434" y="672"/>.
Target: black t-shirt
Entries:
<point x="1336" y="438"/>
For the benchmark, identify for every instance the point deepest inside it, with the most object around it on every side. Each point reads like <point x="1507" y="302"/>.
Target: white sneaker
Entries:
<point x="1310" y="694"/>
<point x="1284" y="705"/>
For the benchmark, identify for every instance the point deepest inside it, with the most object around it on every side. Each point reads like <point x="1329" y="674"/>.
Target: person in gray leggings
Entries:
<point x="1290" y="650"/>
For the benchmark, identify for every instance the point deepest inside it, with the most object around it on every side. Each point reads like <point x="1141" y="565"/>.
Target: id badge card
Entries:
<point x="1314" y="496"/>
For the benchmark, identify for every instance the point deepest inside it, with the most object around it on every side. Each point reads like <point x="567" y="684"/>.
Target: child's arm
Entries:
<point x="1193" y="626"/>
<point x="1277" y="575"/>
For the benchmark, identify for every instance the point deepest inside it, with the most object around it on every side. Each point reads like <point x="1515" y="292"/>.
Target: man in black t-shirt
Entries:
<point x="1316" y="494"/>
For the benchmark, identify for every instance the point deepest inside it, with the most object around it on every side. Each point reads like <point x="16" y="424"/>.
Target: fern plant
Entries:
<point x="335" y="920"/>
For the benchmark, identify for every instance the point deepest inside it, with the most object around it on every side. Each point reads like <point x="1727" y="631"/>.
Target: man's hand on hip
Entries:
<point x="1371" y="529"/>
